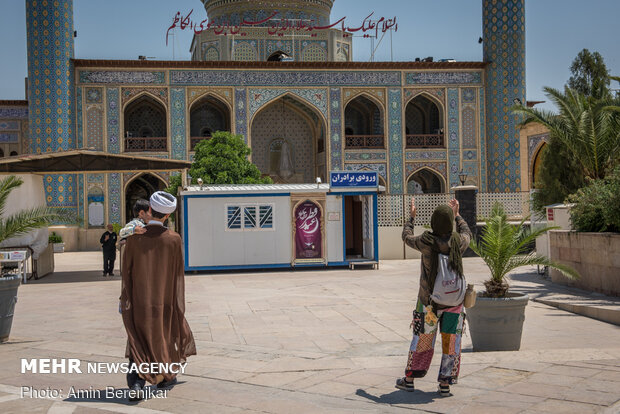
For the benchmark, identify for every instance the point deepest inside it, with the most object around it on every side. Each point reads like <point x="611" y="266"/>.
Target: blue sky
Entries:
<point x="120" y="29"/>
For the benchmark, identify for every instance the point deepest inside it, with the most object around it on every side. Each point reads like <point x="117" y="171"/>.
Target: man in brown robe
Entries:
<point x="153" y="299"/>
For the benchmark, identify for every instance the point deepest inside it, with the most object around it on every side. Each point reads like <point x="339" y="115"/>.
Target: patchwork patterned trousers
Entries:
<point x="451" y="323"/>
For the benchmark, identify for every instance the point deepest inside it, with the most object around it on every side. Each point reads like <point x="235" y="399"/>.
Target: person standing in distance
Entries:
<point x="153" y="299"/>
<point x="108" y="243"/>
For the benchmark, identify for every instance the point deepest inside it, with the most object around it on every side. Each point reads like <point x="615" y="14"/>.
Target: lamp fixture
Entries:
<point x="462" y="177"/>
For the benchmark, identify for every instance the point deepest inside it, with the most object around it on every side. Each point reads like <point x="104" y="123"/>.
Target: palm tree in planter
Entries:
<point x="496" y="322"/>
<point x="11" y="226"/>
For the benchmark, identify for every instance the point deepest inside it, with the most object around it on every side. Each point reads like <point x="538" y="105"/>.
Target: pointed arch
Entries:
<point x="424" y="121"/>
<point x="141" y="185"/>
<point x="293" y="95"/>
<point x="364" y="122"/>
<point x="300" y="129"/>
<point x="145" y="124"/>
<point x="535" y="163"/>
<point x="208" y="114"/>
<point x="429" y="179"/>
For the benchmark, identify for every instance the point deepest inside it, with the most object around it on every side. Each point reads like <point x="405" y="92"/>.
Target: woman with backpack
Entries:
<point x="442" y="251"/>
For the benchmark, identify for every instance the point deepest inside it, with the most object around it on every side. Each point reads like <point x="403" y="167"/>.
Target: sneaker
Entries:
<point x="403" y="384"/>
<point x="167" y="384"/>
<point x="444" y="390"/>
<point x="136" y="393"/>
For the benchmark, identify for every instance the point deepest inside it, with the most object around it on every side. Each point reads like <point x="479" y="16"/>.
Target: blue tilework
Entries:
<point x="177" y="121"/>
<point x="453" y="137"/>
<point x="503" y="24"/>
<point x="335" y="141"/>
<point x="113" y="120"/>
<point x="395" y="141"/>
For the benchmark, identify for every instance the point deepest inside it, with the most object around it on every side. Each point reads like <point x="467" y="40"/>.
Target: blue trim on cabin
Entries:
<point x="241" y="267"/>
<point x="185" y="234"/>
<point x="229" y="195"/>
<point x="344" y="232"/>
<point x="345" y="263"/>
<point x="375" y="227"/>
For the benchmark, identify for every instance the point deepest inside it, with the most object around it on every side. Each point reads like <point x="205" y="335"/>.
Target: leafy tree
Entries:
<point x="554" y="182"/>
<point x="590" y="76"/>
<point x="597" y="205"/>
<point x="26" y="220"/>
<point x="222" y="160"/>
<point x="586" y="126"/>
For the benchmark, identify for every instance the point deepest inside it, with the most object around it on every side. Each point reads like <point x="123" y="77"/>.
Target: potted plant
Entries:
<point x="11" y="226"/>
<point x="496" y="321"/>
<point x="56" y="240"/>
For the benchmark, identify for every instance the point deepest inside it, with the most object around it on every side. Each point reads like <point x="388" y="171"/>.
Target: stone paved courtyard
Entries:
<point x="305" y="342"/>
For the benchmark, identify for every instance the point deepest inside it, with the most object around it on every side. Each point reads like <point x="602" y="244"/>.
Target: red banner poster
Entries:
<point x="308" y="236"/>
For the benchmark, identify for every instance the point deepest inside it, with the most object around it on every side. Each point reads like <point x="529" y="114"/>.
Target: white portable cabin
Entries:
<point x="281" y="225"/>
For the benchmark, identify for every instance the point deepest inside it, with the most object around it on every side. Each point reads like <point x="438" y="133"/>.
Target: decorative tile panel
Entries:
<point x="483" y="146"/>
<point x="443" y="78"/>
<point x="425" y="155"/>
<point x="469" y="155"/>
<point x="94" y="128"/>
<point x="314" y="97"/>
<point x="379" y="167"/>
<point x="365" y="156"/>
<point x="241" y="115"/>
<point x="80" y="191"/>
<point x="335" y="146"/>
<point x="469" y="127"/>
<point x="533" y="142"/>
<point x="94" y="95"/>
<point x="439" y="93"/>
<point x="121" y="77"/>
<point x="395" y="135"/>
<point x="114" y="137"/>
<point x="128" y="93"/>
<point x="177" y="123"/>
<point x="350" y="93"/>
<point x="279" y="78"/>
<point x="468" y="95"/>
<point x="80" y="123"/>
<point x="114" y="198"/>
<point x="9" y="137"/>
<point x="14" y="113"/>
<point x="453" y="137"/>
<point x="9" y="126"/>
<point x="413" y="167"/>
<point x="225" y="94"/>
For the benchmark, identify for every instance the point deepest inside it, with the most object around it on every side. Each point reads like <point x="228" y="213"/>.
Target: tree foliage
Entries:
<point x="590" y="76"/>
<point x="222" y="159"/>
<point x="24" y="221"/>
<point x="597" y="205"/>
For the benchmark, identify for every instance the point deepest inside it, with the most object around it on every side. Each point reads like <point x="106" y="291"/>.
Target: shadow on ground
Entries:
<point x="74" y="277"/>
<point x="400" y="397"/>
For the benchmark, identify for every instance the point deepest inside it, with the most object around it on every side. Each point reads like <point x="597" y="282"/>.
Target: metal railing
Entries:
<point x="425" y="141"/>
<point x="138" y="144"/>
<point x="365" y="141"/>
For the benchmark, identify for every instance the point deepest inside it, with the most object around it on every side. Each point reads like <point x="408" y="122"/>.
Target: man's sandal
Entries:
<point x="403" y="384"/>
<point x="444" y="390"/>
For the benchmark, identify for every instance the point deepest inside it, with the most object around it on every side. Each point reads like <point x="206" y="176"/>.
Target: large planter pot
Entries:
<point x="8" y="298"/>
<point x="496" y="324"/>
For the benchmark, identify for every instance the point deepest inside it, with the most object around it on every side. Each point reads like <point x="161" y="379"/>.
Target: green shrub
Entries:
<point x="117" y="227"/>
<point x="597" y="205"/>
<point x="54" y="238"/>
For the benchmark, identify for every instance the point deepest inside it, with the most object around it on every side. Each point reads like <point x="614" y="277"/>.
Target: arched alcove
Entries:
<point x="536" y="163"/>
<point x="424" y="123"/>
<point x="207" y="115"/>
<point x="287" y="138"/>
<point x="363" y="122"/>
<point x="145" y="125"/>
<point x="142" y="186"/>
<point x="425" y="181"/>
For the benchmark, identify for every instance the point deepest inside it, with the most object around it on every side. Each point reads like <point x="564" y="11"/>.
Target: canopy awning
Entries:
<point x="80" y="161"/>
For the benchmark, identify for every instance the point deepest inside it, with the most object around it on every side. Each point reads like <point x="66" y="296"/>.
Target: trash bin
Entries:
<point x="8" y="298"/>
